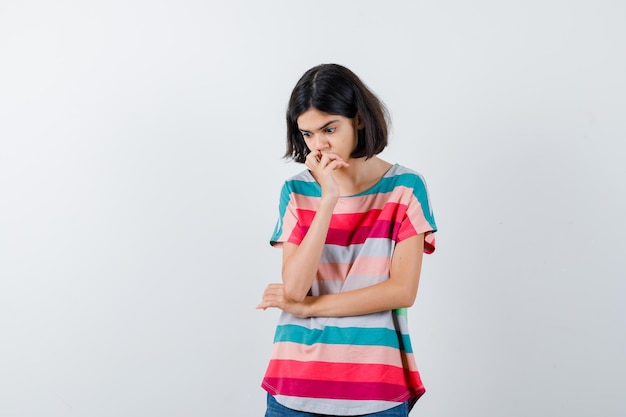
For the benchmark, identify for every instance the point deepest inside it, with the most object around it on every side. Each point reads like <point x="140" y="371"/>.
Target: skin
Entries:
<point x="331" y="139"/>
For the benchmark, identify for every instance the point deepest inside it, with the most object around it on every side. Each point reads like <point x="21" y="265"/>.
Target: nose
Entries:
<point x="319" y="142"/>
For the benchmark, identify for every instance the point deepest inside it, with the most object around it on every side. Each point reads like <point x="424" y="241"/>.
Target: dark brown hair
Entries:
<point x="333" y="89"/>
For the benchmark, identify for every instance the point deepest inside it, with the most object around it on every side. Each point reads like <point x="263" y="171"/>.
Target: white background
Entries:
<point x="140" y="167"/>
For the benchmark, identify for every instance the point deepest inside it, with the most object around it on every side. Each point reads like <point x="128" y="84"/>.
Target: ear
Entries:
<point x="358" y="122"/>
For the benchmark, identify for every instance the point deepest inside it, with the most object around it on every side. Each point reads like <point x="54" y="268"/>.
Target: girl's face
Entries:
<point x="329" y="133"/>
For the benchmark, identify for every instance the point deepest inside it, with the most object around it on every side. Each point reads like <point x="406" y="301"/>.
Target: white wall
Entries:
<point x="140" y="165"/>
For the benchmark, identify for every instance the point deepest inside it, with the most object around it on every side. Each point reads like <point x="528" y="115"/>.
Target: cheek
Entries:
<point x="354" y="141"/>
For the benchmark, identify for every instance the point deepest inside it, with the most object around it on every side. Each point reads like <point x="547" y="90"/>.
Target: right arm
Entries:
<point x="301" y="262"/>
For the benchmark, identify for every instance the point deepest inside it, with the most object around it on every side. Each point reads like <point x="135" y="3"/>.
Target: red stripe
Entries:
<point x="354" y="228"/>
<point x="346" y="372"/>
<point x="381" y="229"/>
<point x="340" y="390"/>
<point x="350" y="221"/>
<point x="346" y="221"/>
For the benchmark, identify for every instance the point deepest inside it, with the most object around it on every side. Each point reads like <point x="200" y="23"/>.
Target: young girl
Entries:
<point x="352" y="228"/>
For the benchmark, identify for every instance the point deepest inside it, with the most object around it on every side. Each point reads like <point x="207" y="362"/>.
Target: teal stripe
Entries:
<point x="421" y="194"/>
<point x="385" y="185"/>
<point x="282" y="207"/>
<point x="290" y="187"/>
<point x="306" y="188"/>
<point x="330" y="335"/>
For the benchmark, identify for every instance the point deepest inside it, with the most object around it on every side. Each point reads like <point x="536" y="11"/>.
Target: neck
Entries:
<point x="360" y="175"/>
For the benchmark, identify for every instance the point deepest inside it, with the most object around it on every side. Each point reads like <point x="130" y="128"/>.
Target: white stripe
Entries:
<point x="335" y="407"/>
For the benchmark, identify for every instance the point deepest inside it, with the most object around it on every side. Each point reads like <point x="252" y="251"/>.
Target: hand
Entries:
<point x="322" y="167"/>
<point x="274" y="297"/>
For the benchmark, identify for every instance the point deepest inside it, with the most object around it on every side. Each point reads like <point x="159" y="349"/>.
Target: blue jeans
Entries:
<point x="274" y="409"/>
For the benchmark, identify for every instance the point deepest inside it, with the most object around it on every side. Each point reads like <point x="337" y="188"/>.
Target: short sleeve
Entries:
<point x="419" y="216"/>
<point x="287" y="228"/>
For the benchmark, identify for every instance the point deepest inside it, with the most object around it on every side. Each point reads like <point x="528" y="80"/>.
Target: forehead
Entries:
<point x="313" y="119"/>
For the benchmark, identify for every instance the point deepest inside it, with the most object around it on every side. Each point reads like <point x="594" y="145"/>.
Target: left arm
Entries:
<point x="398" y="291"/>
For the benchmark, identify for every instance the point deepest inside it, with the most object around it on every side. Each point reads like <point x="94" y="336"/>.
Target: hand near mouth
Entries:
<point x="322" y="166"/>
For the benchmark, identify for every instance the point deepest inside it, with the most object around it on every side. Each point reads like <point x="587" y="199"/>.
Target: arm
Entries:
<point x="300" y="262"/>
<point x="398" y="291"/>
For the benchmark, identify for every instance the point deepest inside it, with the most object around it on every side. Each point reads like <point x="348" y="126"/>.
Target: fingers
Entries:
<point x="336" y="164"/>
<point x="318" y="161"/>
<point x="272" y="297"/>
<point x="332" y="161"/>
<point x="312" y="160"/>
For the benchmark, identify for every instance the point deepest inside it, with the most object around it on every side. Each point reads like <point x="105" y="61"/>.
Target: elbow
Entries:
<point x="406" y="302"/>
<point x="294" y="289"/>
<point x="294" y="294"/>
<point x="406" y="297"/>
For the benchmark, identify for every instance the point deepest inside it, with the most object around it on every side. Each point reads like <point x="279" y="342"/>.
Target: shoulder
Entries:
<point x="301" y="177"/>
<point x="401" y="176"/>
<point x="301" y="183"/>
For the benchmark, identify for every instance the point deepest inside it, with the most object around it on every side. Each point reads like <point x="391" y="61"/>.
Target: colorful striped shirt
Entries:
<point x="359" y="364"/>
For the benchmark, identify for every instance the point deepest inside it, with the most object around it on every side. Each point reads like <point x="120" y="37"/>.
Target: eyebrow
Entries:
<point x="321" y="128"/>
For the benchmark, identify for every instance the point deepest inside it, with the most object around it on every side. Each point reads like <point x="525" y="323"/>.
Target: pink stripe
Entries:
<point x="290" y="221"/>
<point x="371" y="265"/>
<point x="333" y="271"/>
<point x="342" y="353"/>
<point x="347" y="205"/>
<point x="417" y="222"/>
<point x="374" y="201"/>
<point x="366" y="265"/>
<point x="306" y="203"/>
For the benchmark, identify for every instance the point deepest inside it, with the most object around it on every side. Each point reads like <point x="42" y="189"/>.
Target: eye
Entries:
<point x="306" y="135"/>
<point x="331" y="130"/>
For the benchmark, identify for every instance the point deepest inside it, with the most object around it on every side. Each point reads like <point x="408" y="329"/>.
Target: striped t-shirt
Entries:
<point x="360" y="364"/>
